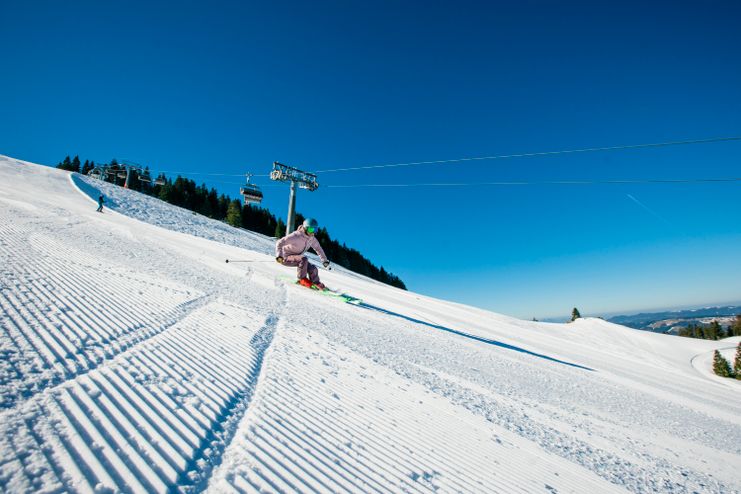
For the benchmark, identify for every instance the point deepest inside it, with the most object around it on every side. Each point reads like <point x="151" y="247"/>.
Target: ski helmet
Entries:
<point x="311" y="225"/>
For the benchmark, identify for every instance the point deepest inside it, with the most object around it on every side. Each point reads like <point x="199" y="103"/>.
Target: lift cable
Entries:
<point x="541" y="153"/>
<point x="480" y="158"/>
<point x="550" y="182"/>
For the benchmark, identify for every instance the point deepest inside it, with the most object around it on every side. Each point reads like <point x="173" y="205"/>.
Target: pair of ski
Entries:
<point x="325" y="291"/>
<point x="348" y="299"/>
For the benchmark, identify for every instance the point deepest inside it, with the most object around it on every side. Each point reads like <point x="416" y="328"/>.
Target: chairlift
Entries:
<point x="147" y="177"/>
<point x="250" y="192"/>
<point x="96" y="173"/>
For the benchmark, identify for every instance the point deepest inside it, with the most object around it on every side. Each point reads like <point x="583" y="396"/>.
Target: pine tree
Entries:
<point x="736" y="327"/>
<point x="234" y="213"/>
<point x="697" y="331"/>
<point x="66" y="164"/>
<point x="223" y="207"/>
<point x="713" y="331"/>
<point x="76" y="164"/>
<point x="280" y="229"/>
<point x="165" y="191"/>
<point x="86" y="167"/>
<point x="721" y="367"/>
<point x="737" y="362"/>
<point x="575" y="314"/>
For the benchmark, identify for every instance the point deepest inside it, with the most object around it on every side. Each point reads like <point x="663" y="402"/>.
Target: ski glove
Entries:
<point x="326" y="265"/>
<point x="280" y="259"/>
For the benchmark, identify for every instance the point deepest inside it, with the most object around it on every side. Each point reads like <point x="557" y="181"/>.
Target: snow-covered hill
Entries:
<point x="134" y="359"/>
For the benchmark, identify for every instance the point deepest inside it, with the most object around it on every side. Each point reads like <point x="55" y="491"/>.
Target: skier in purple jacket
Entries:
<point x="291" y="250"/>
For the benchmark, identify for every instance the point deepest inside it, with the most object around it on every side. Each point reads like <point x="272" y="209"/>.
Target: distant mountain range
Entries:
<point x="669" y="321"/>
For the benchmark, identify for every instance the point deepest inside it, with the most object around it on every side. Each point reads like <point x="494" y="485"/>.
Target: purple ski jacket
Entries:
<point x="297" y="243"/>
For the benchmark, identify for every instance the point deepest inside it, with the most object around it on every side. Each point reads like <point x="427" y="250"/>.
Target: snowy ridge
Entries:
<point x="135" y="360"/>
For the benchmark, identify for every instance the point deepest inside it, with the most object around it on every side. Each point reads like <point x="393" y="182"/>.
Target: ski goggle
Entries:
<point x="310" y="229"/>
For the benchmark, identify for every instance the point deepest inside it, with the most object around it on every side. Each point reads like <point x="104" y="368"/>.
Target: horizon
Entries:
<point x="709" y="305"/>
<point x="232" y="87"/>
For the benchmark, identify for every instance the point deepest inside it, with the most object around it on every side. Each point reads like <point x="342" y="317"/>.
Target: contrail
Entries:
<point x="654" y="213"/>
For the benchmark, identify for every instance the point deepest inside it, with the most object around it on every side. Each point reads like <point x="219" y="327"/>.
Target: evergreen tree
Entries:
<point x="280" y="229"/>
<point x="205" y="207"/>
<point x="697" y="331"/>
<point x="213" y="202"/>
<point x="223" y="207"/>
<point x="75" y="165"/>
<point x="575" y="314"/>
<point x="736" y="326"/>
<point x="66" y="164"/>
<point x="721" y="367"/>
<point x="713" y="331"/>
<point x="87" y="167"/>
<point x="165" y="191"/>
<point x="234" y="213"/>
<point x="737" y="362"/>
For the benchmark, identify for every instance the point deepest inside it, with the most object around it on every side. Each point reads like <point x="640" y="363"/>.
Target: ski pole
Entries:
<point x="241" y="260"/>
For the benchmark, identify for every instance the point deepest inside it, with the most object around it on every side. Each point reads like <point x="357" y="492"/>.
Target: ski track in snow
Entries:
<point x="325" y="421"/>
<point x="135" y="360"/>
<point x="114" y="379"/>
<point x="57" y="335"/>
<point x="156" y="416"/>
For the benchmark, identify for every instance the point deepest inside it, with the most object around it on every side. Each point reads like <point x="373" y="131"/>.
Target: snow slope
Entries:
<point x="135" y="360"/>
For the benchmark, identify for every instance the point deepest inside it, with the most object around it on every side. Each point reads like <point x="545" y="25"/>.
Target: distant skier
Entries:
<point x="100" y="203"/>
<point x="290" y="250"/>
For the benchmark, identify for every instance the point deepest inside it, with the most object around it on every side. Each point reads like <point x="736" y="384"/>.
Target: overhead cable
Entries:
<point x="540" y="153"/>
<point x="550" y="182"/>
<point x="480" y="158"/>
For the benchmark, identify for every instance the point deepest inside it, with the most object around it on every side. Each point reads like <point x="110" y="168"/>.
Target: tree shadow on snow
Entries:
<point x="473" y="337"/>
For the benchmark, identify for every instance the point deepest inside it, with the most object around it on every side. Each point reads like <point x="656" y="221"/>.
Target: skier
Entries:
<point x="290" y="250"/>
<point x="100" y="204"/>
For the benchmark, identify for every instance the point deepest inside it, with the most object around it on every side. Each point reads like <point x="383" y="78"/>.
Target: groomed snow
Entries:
<point x="134" y="359"/>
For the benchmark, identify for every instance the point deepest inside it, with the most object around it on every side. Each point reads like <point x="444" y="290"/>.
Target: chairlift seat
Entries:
<point x="251" y="193"/>
<point x="96" y="173"/>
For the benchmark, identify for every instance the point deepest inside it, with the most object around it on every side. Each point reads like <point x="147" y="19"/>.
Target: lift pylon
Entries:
<point x="302" y="179"/>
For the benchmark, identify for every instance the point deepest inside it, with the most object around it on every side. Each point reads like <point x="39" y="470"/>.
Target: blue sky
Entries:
<point x="226" y="87"/>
